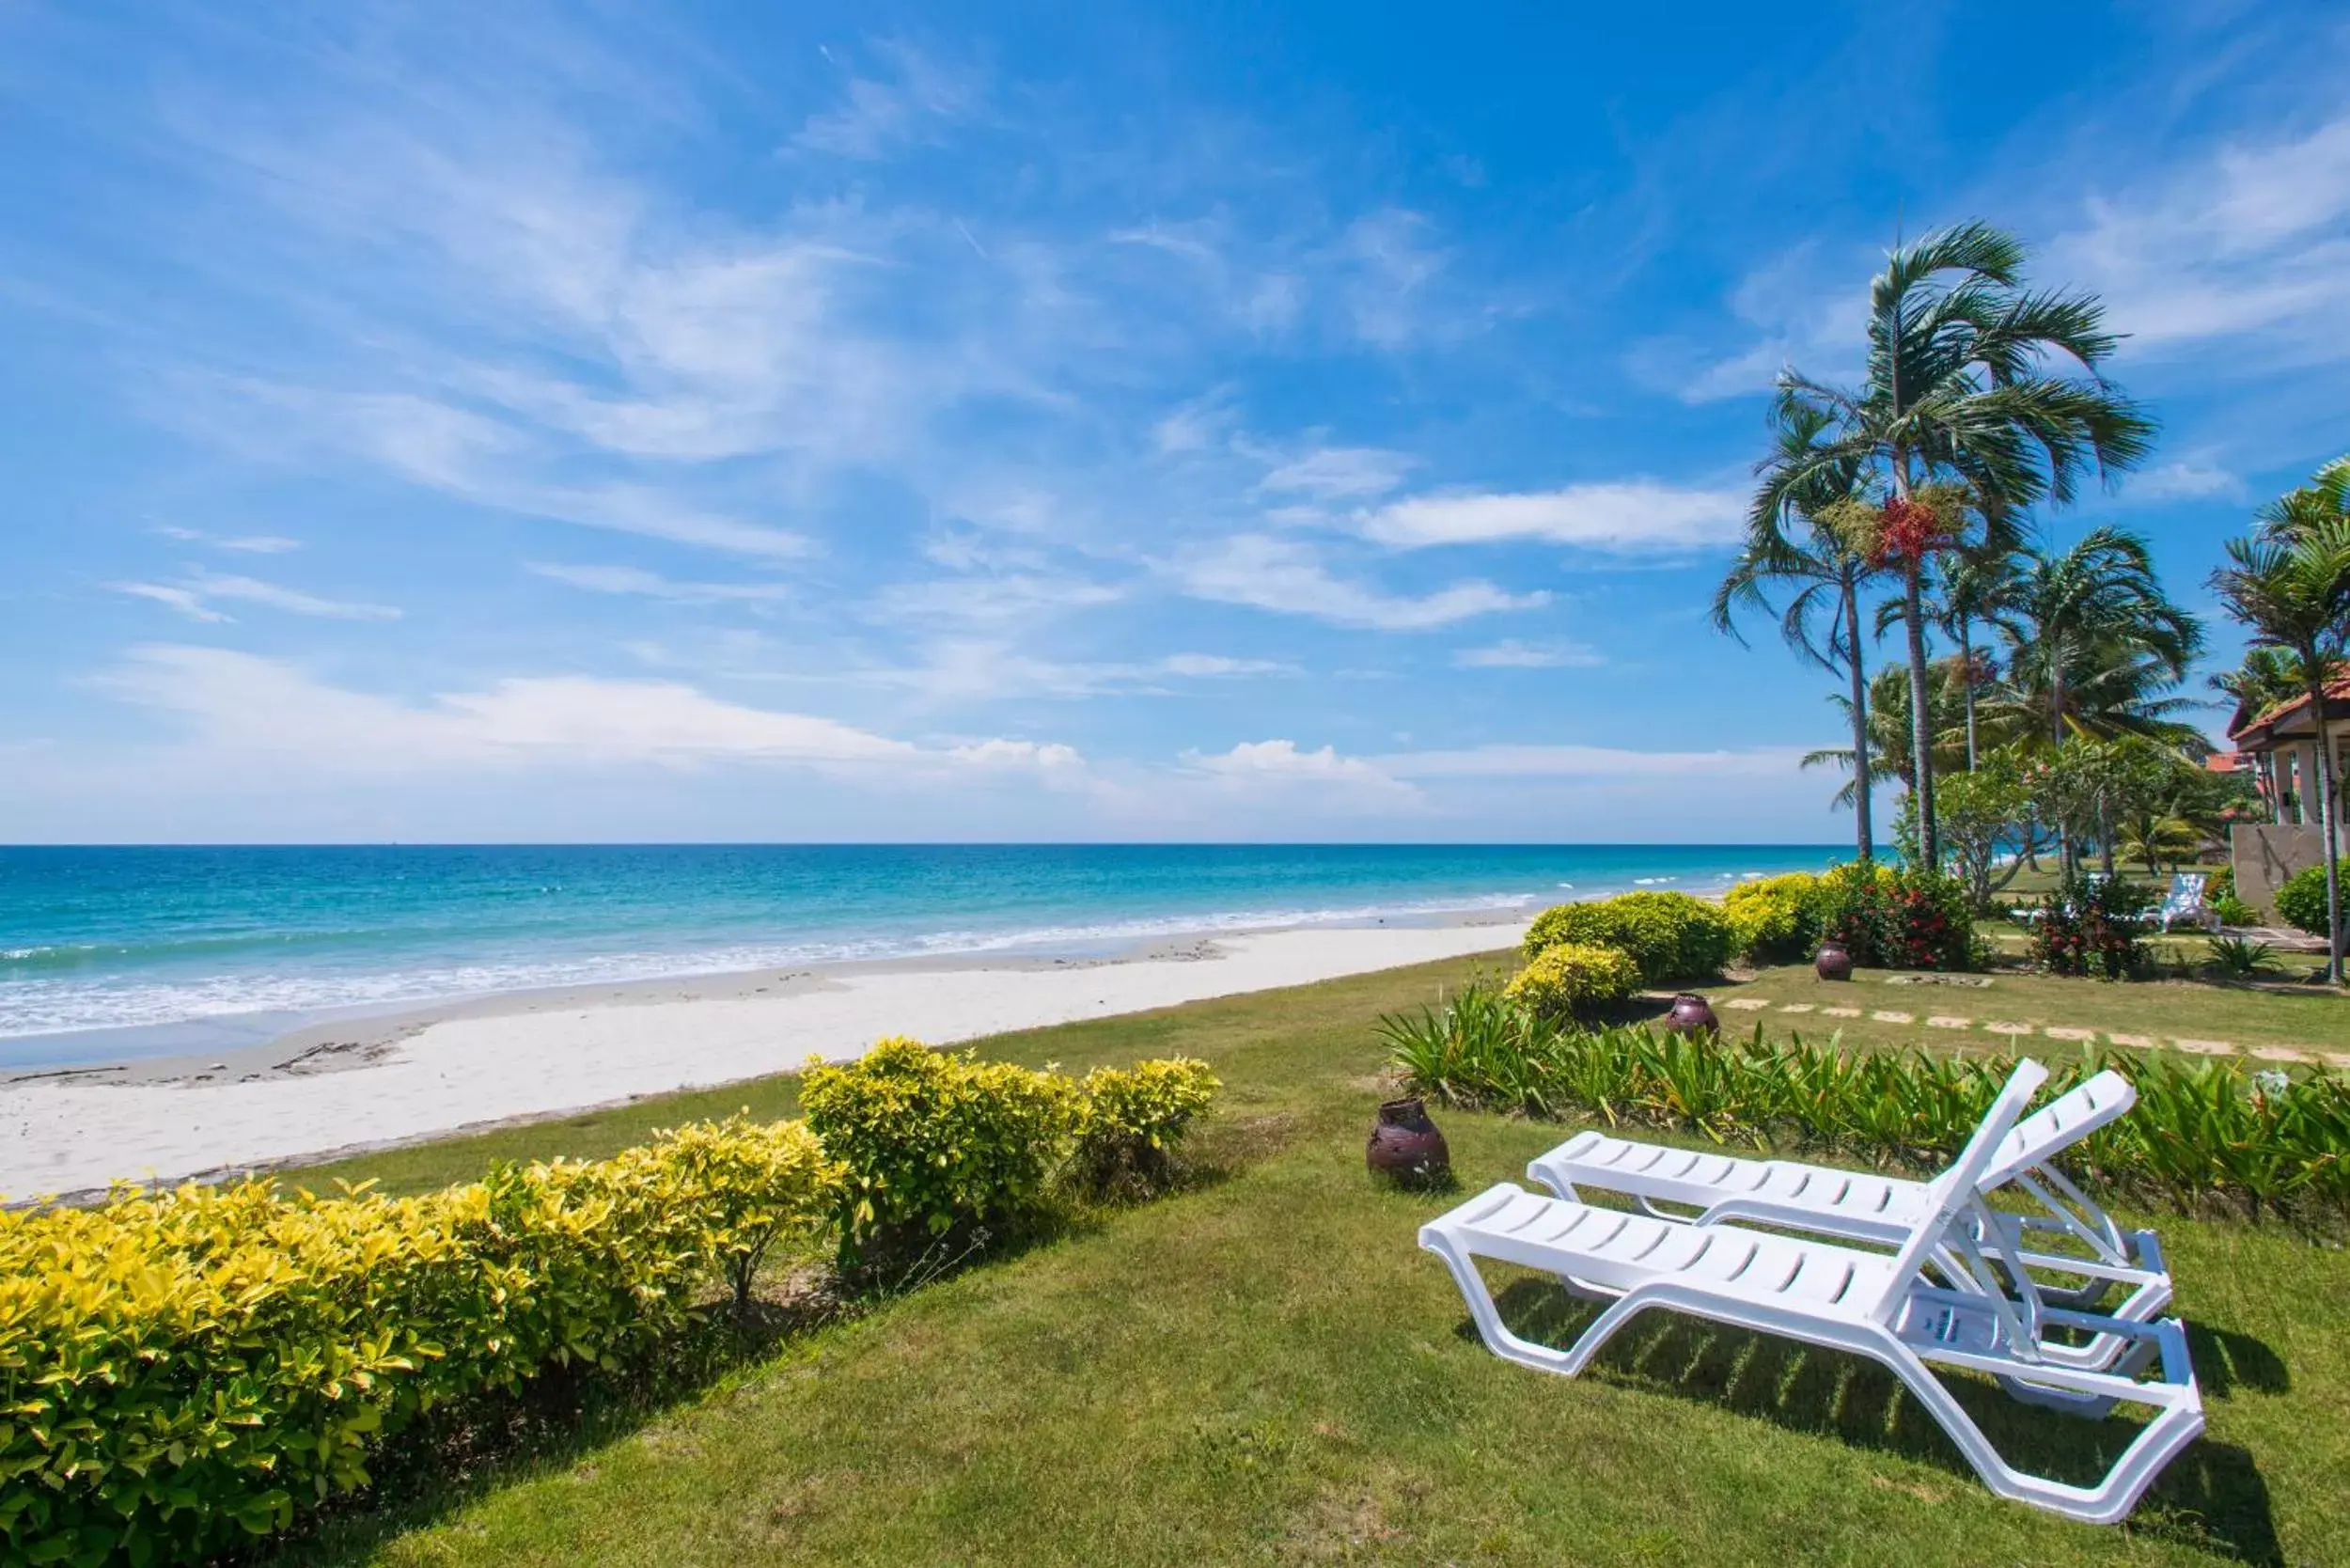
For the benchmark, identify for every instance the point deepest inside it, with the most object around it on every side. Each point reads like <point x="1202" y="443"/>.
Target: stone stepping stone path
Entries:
<point x="2070" y="1033"/>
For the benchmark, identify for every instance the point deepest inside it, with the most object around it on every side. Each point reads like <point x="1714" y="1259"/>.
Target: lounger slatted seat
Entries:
<point x="1883" y="1306"/>
<point x="1883" y="1209"/>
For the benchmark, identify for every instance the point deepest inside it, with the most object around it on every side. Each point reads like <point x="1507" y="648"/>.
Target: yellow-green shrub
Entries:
<point x="749" y="1185"/>
<point x="1670" y="936"/>
<point x="1133" y="1118"/>
<point x="931" y="1139"/>
<point x="1568" y="978"/>
<point x="183" y="1371"/>
<point x="1773" y="918"/>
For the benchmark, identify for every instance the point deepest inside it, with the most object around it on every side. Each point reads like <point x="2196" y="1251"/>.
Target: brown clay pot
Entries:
<point x="1835" y="961"/>
<point x="1692" y="1014"/>
<point x="1406" y="1145"/>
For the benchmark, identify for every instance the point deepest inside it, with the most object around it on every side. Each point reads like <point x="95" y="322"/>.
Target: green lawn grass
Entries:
<point x="1265" y="1368"/>
<point x="2159" y="1009"/>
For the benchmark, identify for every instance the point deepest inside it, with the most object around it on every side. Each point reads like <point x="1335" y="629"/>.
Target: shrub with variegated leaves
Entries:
<point x="1134" y="1117"/>
<point x="185" y="1371"/>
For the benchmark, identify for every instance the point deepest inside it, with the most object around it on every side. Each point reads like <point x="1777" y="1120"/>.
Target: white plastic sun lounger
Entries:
<point x="1874" y="1304"/>
<point x="1884" y="1209"/>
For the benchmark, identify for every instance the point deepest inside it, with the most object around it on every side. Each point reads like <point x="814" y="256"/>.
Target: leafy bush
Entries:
<point x="1133" y="1118"/>
<point x="751" y="1186"/>
<point x="2301" y="901"/>
<point x="1569" y="978"/>
<point x="931" y="1140"/>
<point x="1670" y="936"/>
<point x="1905" y="918"/>
<point x="1774" y="920"/>
<point x="2201" y="1129"/>
<point x="2239" y="958"/>
<point x="2229" y="910"/>
<point x="185" y="1371"/>
<point x="2095" y="928"/>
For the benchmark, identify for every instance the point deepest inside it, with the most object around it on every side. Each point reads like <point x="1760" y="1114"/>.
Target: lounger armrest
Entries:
<point x="1810" y="1221"/>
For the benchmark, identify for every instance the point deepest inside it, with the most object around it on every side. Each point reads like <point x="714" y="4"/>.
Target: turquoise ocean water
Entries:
<point x="181" y="949"/>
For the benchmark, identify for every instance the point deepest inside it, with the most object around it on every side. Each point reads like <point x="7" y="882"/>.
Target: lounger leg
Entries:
<point x="1495" y="1333"/>
<point x="2173" y="1427"/>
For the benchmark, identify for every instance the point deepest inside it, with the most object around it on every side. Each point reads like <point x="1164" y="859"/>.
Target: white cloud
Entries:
<point x="1510" y="654"/>
<point x="1338" y="473"/>
<point x="1210" y="666"/>
<point x="1019" y="754"/>
<point x="1287" y="576"/>
<point x="183" y="599"/>
<point x="2186" y="481"/>
<point x="1008" y="598"/>
<point x="1387" y="264"/>
<point x="251" y="545"/>
<point x="1622" y="515"/>
<point x="2251" y="240"/>
<point x="191" y="597"/>
<point x="651" y="585"/>
<point x="244" y="706"/>
<point x="1279" y="764"/>
<point x="1594" y="762"/>
<point x="880" y="118"/>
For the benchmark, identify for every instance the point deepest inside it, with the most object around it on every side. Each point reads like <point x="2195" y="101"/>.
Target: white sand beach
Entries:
<point x="350" y="1086"/>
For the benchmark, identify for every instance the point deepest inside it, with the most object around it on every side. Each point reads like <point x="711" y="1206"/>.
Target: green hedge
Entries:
<point x="1570" y="977"/>
<point x="1672" y="937"/>
<point x="2301" y="901"/>
<point x="184" y="1371"/>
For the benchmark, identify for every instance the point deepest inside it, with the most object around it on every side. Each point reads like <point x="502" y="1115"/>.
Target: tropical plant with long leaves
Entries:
<point x="1791" y="546"/>
<point x="1965" y="393"/>
<point x="2095" y="616"/>
<point x="2289" y="584"/>
<point x="2261" y="682"/>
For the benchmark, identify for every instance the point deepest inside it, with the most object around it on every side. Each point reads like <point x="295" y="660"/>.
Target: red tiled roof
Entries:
<point x="2337" y="690"/>
<point x="2226" y="761"/>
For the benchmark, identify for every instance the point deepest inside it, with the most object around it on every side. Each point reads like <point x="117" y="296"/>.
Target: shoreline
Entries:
<point x="413" y="1073"/>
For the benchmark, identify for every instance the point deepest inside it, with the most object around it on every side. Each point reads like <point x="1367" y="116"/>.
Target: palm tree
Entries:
<point x="1972" y="585"/>
<point x="1958" y="397"/>
<point x="2095" y="617"/>
<point x="2265" y="678"/>
<point x="2290" y="584"/>
<point x="1826" y="575"/>
<point x="1887" y="731"/>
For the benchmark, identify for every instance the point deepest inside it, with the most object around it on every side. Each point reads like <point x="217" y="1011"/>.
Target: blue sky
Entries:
<point x="720" y="421"/>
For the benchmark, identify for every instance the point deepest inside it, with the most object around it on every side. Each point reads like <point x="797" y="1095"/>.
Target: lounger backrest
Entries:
<point x="1957" y="1188"/>
<point x="2064" y="1121"/>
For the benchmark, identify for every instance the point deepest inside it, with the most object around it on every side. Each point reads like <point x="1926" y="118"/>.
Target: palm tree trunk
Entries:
<point x="1863" y="829"/>
<point x="1966" y="662"/>
<point x="1920" y="718"/>
<point x="2328" y="815"/>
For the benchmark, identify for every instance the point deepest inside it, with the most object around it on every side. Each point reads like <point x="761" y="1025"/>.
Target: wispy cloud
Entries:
<point x="1289" y="577"/>
<point x="916" y="97"/>
<point x="248" y="706"/>
<point x="1590" y="761"/>
<point x="250" y="544"/>
<point x="1509" y="654"/>
<point x="638" y="582"/>
<point x="2250" y="240"/>
<point x="2189" y="480"/>
<point x="1625" y="517"/>
<point x="192" y="597"/>
<point x="1338" y="473"/>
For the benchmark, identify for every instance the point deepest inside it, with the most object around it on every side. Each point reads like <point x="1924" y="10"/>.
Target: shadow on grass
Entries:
<point x="2211" y="1496"/>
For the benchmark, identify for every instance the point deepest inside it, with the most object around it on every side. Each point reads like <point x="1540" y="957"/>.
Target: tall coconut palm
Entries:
<point x="1790" y="544"/>
<point x="2289" y="584"/>
<point x="1960" y="394"/>
<point x="1973" y="587"/>
<point x="2095" y="616"/>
